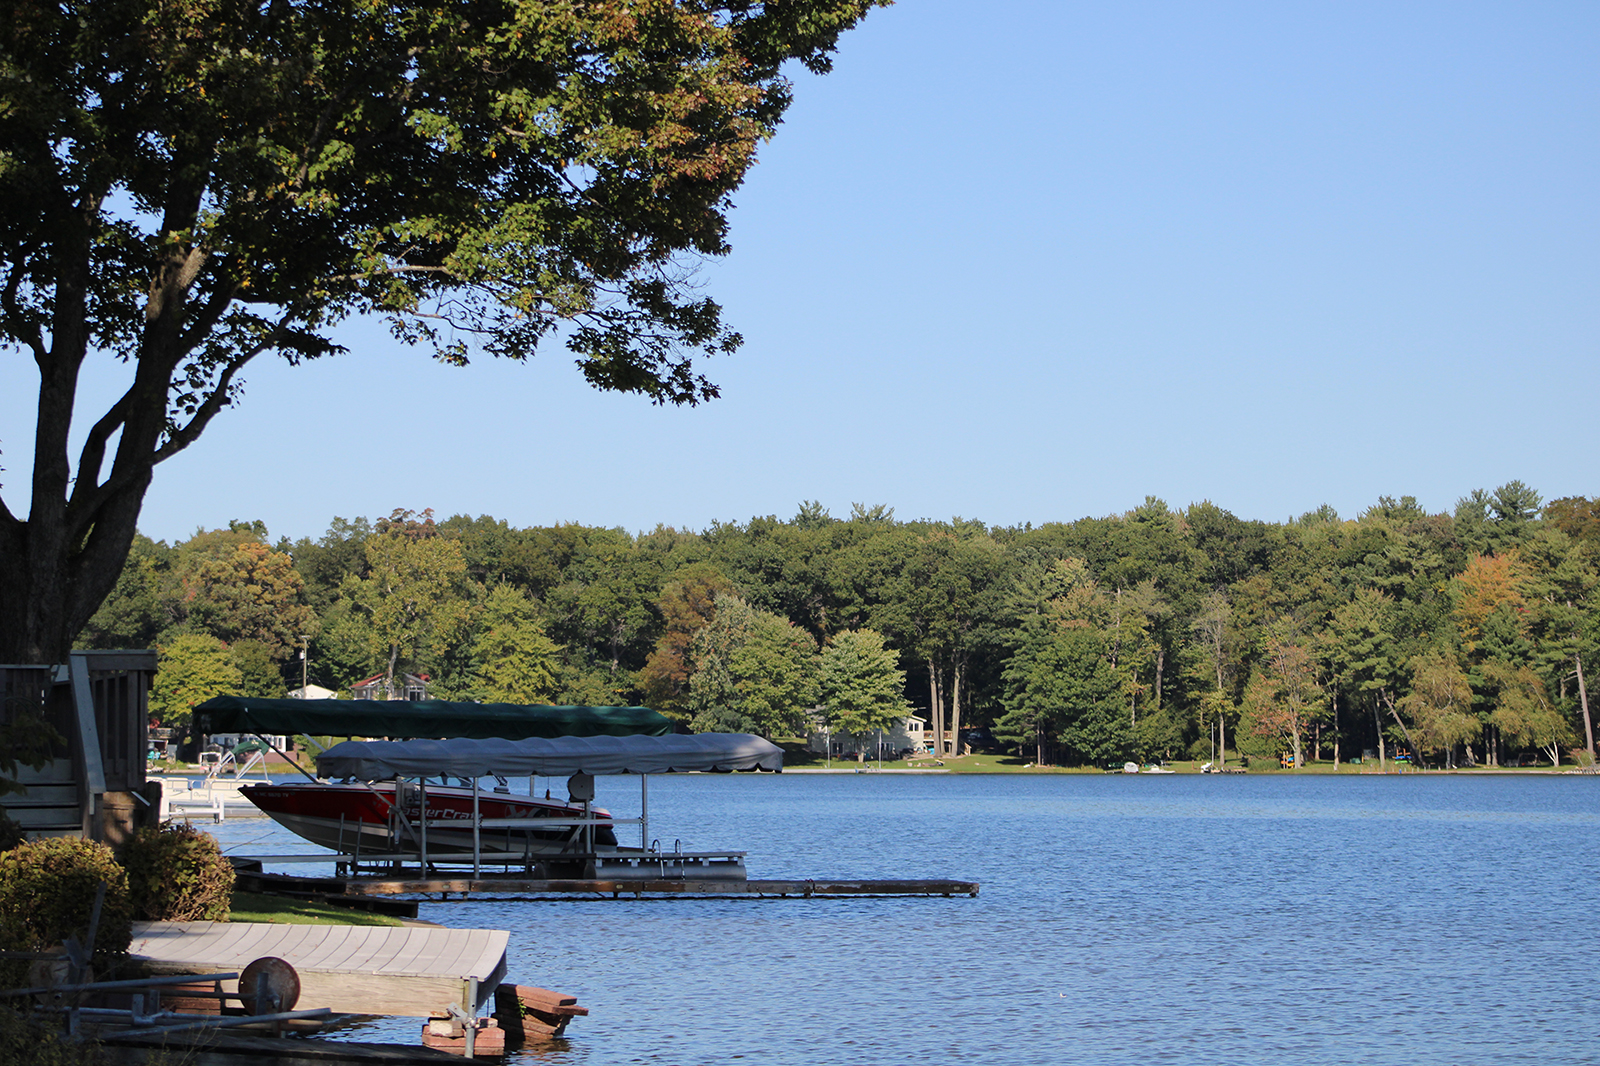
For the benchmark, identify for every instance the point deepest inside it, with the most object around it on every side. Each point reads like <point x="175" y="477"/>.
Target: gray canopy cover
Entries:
<point x="376" y="760"/>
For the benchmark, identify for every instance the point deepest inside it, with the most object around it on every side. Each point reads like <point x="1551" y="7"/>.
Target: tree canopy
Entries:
<point x="1094" y="641"/>
<point x="186" y="185"/>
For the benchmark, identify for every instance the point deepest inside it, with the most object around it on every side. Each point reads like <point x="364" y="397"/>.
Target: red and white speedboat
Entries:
<point x="375" y="802"/>
<point x="359" y="818"/>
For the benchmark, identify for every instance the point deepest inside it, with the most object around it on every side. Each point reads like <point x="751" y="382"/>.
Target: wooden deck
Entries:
<point x="409" y="971"/>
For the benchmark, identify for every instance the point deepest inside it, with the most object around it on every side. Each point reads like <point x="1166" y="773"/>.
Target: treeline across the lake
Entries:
<point x="1458" y="638"/>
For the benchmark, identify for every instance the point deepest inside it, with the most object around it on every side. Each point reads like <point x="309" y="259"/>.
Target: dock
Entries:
<point x="331" y="889"/>
<point x="413" y="971"/>
<point x="155" y="1048"/>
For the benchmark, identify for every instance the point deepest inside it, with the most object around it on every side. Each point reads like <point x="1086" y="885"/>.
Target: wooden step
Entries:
<point x="38" y="795"/>
<point x="52" y="773"/>
<point x="39" y="818"/>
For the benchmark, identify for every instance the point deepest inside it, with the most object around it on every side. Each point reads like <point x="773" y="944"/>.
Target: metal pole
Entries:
<point x="422" y="796"/>
<point x="476" y="849"/>
<point x="644" y="810"/>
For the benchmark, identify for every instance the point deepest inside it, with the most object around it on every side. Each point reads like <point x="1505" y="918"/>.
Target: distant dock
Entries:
<point x="366" y="887"/>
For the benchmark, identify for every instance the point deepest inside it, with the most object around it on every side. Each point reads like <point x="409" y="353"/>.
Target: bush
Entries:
<point x="47" y="890"/>
<point x="28" y="1040"/>
<point x="176" y="873"/>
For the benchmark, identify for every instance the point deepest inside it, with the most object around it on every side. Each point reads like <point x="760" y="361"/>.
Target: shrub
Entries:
<point x="176" y="873"/>
<point x="47" y="890"/>
<point x="28" y="1040"/>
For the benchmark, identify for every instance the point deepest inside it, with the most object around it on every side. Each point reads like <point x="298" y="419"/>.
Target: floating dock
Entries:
<point x="155" y="1048"/>
<point x="415" y="971"/>
<point x="352" y="888"/>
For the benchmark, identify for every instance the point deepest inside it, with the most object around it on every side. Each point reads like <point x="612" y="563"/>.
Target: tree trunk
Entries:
<point x="1583" y="701"/>
<point x="60" y="563"/>
<point x="935" y="708"/>
<point x="1161" y="658"/>
<point x="955" y="706"/>
<point x="1222" y="737"/>
<point x="1377" y="725"/>
<point x="1416" y="756"/>
<point x="1336" y="729"/>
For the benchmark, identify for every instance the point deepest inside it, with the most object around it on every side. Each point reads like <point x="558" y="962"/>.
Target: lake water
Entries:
<point x="1188" y="919"/>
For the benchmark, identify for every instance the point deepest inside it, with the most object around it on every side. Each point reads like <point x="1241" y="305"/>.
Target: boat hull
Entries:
<point x="361" y="819"/>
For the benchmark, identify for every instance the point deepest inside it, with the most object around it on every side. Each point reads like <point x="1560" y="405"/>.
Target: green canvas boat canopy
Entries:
<point x="424" y="718"/>
<point x="376" y="760"/>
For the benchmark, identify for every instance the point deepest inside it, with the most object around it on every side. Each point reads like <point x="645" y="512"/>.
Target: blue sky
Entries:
<point x="1028" y="261"/>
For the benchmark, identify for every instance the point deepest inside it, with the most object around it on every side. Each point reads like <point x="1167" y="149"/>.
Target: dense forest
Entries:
<point x="1460" y="638"/>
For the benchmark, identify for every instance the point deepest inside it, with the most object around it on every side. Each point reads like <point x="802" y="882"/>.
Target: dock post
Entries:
<point x="477" y="850"/>
<point x="422" y="820"/>
<point x="644" y="810"/>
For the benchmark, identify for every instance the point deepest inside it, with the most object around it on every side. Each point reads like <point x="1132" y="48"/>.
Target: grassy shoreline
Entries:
<point x="1011" y="764"/>
<point x="281" y="910"/>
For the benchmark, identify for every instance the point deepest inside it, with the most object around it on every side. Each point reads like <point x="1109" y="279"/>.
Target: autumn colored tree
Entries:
<point x="230" y="584"/>
<point x="687" y="604"/>
<point x="192" y="184"/>
<point x="1493" y="616"/>
<point x="1285" y="696"/>
<point x="1576" y="516"/>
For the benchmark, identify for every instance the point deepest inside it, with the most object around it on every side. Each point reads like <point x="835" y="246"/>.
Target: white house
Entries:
<point x="909" y="734"/>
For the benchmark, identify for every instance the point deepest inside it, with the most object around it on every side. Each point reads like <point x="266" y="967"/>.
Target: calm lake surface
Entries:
<point x="1195" y="919"/>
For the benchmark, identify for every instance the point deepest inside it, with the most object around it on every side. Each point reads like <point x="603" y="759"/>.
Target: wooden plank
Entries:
<point x="224" y="1048"/>
<point x="386" y="956"/>
<point x="88" y="729"/>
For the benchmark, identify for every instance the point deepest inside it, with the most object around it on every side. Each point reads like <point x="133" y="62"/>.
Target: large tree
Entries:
<point x="189" y="184"/>
<point x="861" y="687"/>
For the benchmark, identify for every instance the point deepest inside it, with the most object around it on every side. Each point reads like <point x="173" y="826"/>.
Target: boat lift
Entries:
<point x="580" y="759"/>
<point x="572" y="742"/>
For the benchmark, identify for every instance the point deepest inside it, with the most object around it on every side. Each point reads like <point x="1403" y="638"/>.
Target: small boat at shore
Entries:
<point x="382" y="816"/>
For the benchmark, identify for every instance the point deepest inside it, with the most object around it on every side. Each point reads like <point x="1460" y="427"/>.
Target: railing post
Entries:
<point x="91" y="793"/>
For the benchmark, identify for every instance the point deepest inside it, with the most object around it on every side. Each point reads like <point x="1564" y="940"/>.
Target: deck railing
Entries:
<point x="98" y="702"/>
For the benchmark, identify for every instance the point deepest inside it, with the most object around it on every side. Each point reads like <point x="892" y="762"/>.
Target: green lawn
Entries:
<point x="258" y="907"/>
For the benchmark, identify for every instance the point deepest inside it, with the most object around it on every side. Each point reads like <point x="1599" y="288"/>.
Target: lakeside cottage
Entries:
<point x="910" y="734"/>
<point x="403" y="687"/>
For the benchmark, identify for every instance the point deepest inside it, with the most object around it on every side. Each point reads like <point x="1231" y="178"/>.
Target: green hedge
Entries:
<point x="176" y="873"/>
<point x="47" y="890"/>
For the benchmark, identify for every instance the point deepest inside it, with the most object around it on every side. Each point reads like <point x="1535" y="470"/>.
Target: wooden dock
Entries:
<point x="222" y="1048"/>
<point x="330" y="888"/>
<point x="415" y="971"/>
